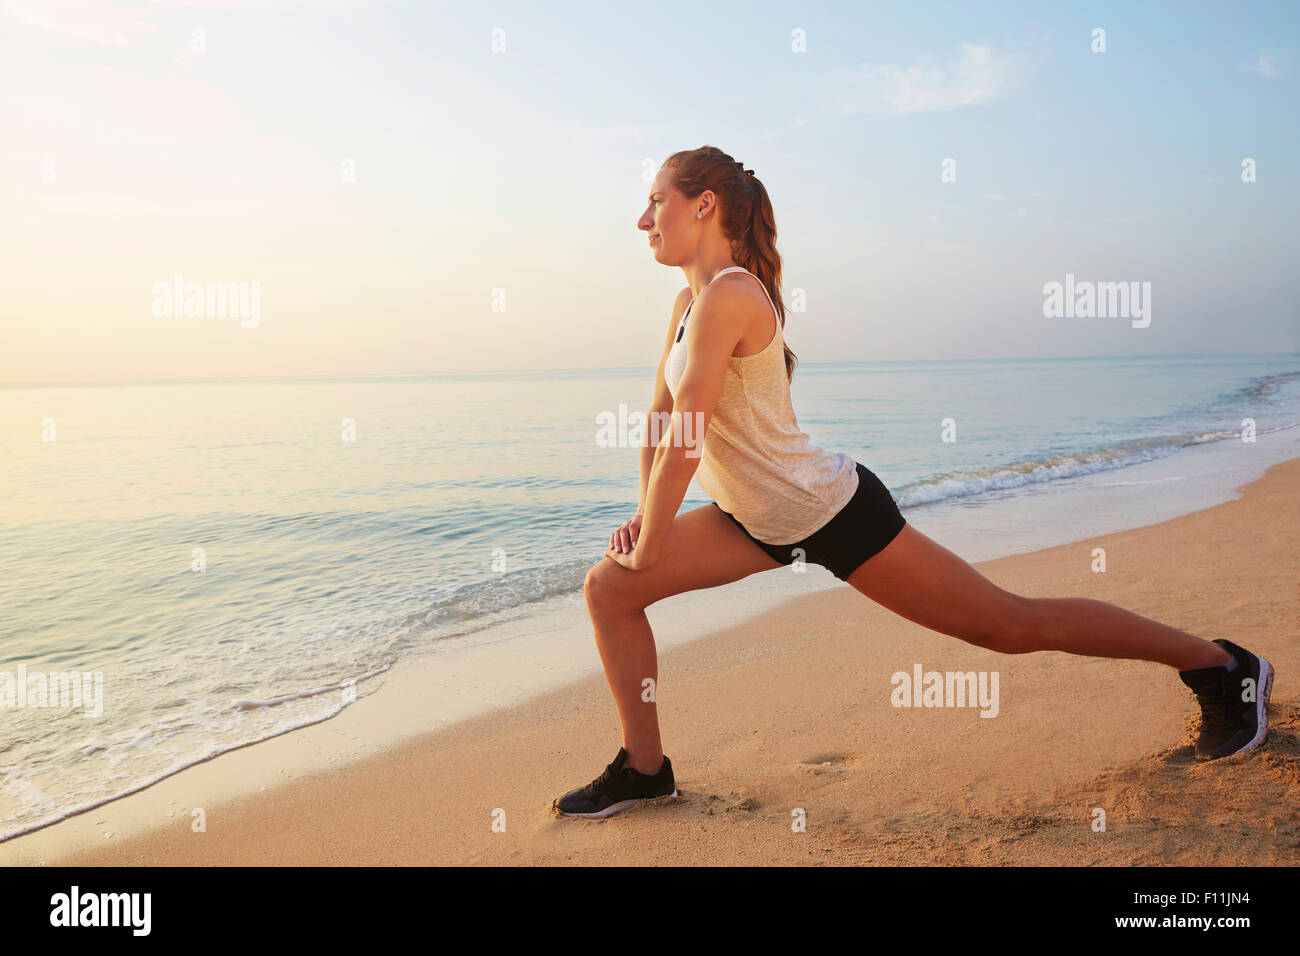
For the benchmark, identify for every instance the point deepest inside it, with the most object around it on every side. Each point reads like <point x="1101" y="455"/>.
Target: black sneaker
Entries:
<point x="1230" y="722"/>
<point x="618" y="788"/>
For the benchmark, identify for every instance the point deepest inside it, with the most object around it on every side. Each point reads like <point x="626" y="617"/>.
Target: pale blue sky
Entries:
<point x="524" y="170"/>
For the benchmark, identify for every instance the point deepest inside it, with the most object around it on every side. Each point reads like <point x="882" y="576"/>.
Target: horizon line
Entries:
<point x="382" y="376"/>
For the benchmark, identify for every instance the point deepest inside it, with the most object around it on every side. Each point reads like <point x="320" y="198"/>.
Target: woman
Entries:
<point x="776" y="499"/>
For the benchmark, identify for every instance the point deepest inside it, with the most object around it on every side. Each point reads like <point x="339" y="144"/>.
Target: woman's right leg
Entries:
<point x="703" y="549"/>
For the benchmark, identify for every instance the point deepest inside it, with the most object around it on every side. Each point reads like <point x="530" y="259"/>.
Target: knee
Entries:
<point x="594" y="583"/>
<point x="598" y="587"/>
<point x="1018" y="629"/>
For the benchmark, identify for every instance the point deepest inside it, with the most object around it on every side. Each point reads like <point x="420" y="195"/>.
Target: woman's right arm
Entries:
<point x="663" y="399"/>
<point x="624" y="537"/>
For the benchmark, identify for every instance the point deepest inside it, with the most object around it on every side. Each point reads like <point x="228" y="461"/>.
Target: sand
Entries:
<point x="790" y="715"/>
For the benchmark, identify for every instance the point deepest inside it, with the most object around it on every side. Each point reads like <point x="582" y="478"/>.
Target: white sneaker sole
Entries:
<point x="613" y="808"/>
<point x="1263" y="691"/>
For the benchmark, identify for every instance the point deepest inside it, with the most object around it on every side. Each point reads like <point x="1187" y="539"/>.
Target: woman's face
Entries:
<point x="668" y="221"/>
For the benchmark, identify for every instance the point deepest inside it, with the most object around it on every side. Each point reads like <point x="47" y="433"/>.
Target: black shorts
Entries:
<point x="860" y="529"/>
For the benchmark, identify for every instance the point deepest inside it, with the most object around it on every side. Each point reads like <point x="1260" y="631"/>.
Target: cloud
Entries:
<point x="782" y="130"/>
<point x="976" y="75"/>
<point x="644" y="136"/>
<point x="1264" y="65"/>
<point x="111" y="22"/>
<point x="82" y="21"/>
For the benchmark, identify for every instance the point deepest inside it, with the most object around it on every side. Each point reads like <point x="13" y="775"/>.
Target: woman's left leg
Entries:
<point x="924" y="582"/>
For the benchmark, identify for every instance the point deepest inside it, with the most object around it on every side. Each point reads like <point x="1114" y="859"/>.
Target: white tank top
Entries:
<point x="756" y="462"/>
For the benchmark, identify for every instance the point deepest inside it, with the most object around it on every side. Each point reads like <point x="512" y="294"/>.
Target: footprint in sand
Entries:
<point x="829" y="763"/>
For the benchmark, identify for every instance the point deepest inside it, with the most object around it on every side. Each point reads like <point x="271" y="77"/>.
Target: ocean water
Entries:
<point x="233" y="560"/>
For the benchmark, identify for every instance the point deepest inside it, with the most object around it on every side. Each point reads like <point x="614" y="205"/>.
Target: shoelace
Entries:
<point x="1220" y="706"/>
<point x="605" y="777"/>
<point x="1212" y="709"/>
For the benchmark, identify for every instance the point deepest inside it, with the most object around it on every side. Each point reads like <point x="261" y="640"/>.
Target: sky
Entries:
<point x="410" y="188"/>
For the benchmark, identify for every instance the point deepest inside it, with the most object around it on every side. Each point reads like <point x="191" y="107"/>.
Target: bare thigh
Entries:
<point x="924" y="582"/>
<point x="703" y="549"/>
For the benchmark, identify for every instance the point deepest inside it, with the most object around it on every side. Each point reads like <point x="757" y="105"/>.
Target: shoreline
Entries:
<point x="792" y="711"/>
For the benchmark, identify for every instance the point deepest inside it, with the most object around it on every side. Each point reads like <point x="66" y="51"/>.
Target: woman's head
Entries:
<point x="703" y="197"/>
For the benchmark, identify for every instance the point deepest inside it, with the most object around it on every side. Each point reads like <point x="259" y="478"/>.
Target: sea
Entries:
<point x="188" y="567"/>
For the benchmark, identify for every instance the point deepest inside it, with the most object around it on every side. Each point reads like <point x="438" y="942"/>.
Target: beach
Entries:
<point x="315" y="424"/>
<point x="787" y="717"/>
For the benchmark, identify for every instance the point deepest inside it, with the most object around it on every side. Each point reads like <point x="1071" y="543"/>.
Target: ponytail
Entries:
<point x="747" y="218"/>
